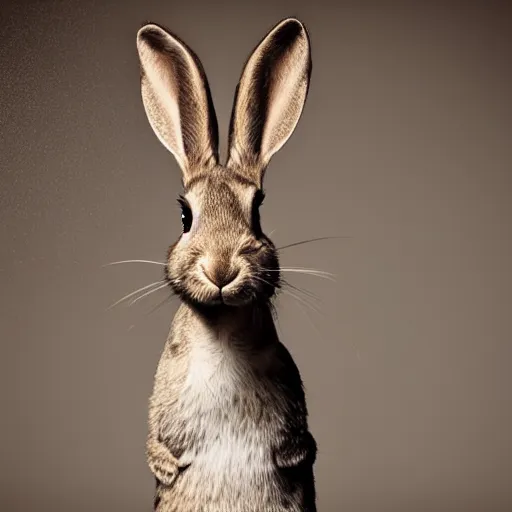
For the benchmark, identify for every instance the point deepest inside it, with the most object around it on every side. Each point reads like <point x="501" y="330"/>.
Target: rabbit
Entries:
<point x="228" y="421"/>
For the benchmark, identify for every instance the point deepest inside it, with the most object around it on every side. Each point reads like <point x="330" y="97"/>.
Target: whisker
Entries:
<point x="300" y="299"/>
<point x="303" y="269"/>
<point x="307" y="315"/>
<point x="302" y="242"/>
<point x="258" y="278"/>
<point x="134" y="261"/>
<point x="161" y="303"/>
<point x="135" y="292"/>
<point x="309" y="294"/>
<point x="314" y="301"/>
<point x="149" y="293"/>
<point x="320" y="271"/>
<point x="298" y="268"/>
<point x="171" y="296"/>
<point x="306" y="271"/>
<point x="312" y="297"/>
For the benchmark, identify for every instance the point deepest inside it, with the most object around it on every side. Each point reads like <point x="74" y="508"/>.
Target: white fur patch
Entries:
<point x="217" y="374"/>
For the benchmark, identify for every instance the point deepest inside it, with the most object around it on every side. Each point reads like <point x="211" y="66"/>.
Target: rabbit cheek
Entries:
<point x="180" y="270"/>
<point x="267" y="270"/>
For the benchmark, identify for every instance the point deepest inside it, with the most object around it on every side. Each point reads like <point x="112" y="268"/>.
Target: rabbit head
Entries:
<point x="222" y="256"/>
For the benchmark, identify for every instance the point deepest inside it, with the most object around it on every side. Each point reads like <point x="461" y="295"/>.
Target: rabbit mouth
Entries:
<point x="245" y="289"/>
<point x="232" y="297"/>
<point x="243" y="296"/>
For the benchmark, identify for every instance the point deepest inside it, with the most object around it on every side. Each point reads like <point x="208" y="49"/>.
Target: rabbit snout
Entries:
<point x="220" y="273"/>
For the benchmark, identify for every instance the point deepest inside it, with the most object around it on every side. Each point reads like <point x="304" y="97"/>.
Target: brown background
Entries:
<point x="404" y="146"/>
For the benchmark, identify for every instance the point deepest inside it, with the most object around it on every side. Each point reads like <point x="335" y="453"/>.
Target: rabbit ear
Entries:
<point x="270" y="97"/>
<point x="177" y="99"/>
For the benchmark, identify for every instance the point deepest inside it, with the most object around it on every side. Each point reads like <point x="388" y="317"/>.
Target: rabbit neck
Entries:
<point x="249" y="327"/>
<point x="221" y="353"/>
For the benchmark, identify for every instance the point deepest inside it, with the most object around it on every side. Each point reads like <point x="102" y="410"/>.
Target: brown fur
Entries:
<point x="228" y="429"/>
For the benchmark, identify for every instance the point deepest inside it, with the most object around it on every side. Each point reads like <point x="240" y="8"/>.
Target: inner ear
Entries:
<point x="269" y="98"/>
<point x="177" y="99"/>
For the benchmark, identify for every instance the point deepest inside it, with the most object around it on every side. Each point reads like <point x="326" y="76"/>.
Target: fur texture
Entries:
<point x="228" y="428"/>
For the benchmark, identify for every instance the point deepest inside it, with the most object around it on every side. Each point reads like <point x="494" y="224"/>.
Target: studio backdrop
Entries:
<point x="403" y="150"/>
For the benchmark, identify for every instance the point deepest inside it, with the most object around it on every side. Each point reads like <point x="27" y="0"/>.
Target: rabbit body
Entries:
<point x="228" y="427"/>
<point x="228" y="404"/>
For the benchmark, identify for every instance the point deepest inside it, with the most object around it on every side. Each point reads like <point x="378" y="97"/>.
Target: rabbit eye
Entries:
<point x="255" y="214"/>
<point x="186" y="219"/>
<point x="186" y="215"/>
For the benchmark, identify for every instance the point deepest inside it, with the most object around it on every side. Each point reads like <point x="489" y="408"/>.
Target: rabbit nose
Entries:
<point x="221" y="275"/>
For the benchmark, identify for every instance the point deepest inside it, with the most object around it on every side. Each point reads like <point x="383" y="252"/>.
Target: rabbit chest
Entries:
<point x="225" y="417"/>
<point x="226" y="409"/>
